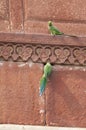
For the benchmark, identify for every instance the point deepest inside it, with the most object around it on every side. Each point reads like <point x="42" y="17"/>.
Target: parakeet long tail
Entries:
<point x="42" y="84"/>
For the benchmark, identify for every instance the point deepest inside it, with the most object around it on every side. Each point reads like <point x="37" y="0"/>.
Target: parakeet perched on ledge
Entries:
<point x="46" y="74"/>
<point x="53" y="29"/>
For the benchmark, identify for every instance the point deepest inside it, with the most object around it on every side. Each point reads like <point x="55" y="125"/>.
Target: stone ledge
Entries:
<point x="29" y="127"/>
<point x="43" y="39"/>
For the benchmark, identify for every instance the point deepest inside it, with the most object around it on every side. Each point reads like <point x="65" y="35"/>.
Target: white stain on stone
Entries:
<point x="84" y="69"/>
<point x="41" y="99"/>
<point x="70" y="68"/>
<point x="1" y="63"/>
<point x="21" y="64"/>
<point x="30" y="64"/>
<point x="42" y="111"/>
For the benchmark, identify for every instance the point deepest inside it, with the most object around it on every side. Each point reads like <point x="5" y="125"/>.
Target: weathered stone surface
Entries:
<point x="56" y="10"/>
<point x="19" y="94"/>
<point x="32" y="16"/>
<point x="4" y="16"/>
<point x="4" y="26"/>
<point x="16" y="15"/>
<point x="4" y="13"/>
<point x="68" y="17"/>
<point x="42" y="27"/>
<point x="66" y="97"/>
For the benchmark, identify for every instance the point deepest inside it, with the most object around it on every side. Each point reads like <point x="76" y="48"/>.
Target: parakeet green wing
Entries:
<point x="55" y="31"/>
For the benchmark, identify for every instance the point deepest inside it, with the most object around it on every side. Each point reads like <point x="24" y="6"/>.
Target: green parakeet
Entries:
<point x="53" y="29"/>
<point x="43" y="81"/>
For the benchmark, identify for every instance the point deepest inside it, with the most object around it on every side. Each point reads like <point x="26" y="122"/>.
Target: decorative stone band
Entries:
<point x="55" y="54"/>
<point x="42" y="53"/>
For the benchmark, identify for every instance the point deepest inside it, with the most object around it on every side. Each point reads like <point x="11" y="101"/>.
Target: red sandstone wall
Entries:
<point x="64" y="101"/>
<point x="32" y="16"/>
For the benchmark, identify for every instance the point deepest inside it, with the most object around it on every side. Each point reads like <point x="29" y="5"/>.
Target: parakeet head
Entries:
<point x="50" y="23"/>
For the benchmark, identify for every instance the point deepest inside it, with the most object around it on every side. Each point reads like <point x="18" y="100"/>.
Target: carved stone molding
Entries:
<point x="42" y="53"/>
<point x="43" y="48"/>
